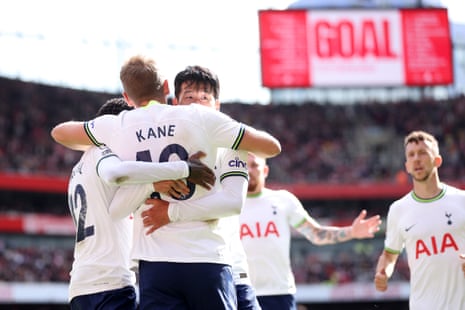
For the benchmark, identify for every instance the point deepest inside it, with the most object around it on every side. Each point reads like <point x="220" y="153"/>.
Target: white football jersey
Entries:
<point x="266" y="221"/>
<point x="101" y="253"/>
<point x="162" y="133"/>
<point x="433" y="234"/>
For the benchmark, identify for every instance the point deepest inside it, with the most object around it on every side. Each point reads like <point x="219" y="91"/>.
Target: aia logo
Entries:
<point x="237" y="163"/>
<point x="259" y="230"/>
<point x="435" y="246"/>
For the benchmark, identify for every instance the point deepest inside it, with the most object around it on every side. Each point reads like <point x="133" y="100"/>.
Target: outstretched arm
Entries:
<point x="321" y="235"/>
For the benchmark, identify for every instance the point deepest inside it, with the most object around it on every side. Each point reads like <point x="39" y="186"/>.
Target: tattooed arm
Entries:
<point x="360" y="228"/>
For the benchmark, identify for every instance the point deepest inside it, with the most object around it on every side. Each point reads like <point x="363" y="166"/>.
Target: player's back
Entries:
<point x="161" y="133"/>
<point x="101" y="255"/>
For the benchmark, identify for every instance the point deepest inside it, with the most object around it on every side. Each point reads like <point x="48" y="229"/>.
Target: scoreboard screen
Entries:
<point x="329" y="48"/>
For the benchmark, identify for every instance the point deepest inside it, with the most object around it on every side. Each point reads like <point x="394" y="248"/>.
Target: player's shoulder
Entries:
<point x="96" y="153"/>
<point x="278" y="193"/>
<point x="188" y="112"/>
<point x="452" y="191"/>
<point x="407" y="199"/>
<point x="225" y="153"/>
<point x="103" y="121"/>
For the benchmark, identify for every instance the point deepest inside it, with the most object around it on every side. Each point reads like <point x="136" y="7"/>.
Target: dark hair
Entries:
<point x="114" y="106"/>
<point x="199" y="76"/>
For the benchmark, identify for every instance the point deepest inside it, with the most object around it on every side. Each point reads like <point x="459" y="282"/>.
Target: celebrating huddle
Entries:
<point x="161" y="192"/>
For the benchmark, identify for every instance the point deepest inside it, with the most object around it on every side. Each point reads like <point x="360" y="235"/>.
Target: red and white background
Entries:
<point x="324" y="48"/>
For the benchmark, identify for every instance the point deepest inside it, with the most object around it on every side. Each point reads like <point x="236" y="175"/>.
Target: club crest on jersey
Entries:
<point x="237" y="163"/>
<point x="449" y="221"/>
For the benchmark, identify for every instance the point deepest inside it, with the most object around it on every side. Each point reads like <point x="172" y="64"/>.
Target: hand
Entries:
<point x="156" y="216"/>
<point x="200" y="173"/>
<point x="365" y="228"/>
<point x="173" y="188"/>
<point x="381" y="281"/>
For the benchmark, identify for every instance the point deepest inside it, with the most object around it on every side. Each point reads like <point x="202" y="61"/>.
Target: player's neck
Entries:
<point x="254" y="193"/>
<point x="427" y="189"/>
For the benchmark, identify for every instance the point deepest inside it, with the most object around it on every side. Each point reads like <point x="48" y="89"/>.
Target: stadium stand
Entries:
<point x="321" y="143"/>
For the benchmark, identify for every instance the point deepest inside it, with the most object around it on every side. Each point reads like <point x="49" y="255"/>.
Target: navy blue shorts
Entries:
<point x="277" y="302"/>
<point x="121" y="299"/>
<point x="246" y="298"/>
<point x="181" y="286"/>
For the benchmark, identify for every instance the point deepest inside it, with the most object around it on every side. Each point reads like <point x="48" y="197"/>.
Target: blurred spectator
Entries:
<point x="321" y="142"/>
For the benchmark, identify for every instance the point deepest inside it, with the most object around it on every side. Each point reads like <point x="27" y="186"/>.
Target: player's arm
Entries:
<point x="260" y="143"/>
<point x="127" y="199"/>
<point x="246" y="137"/>
<point x="321" y="235"/>
<point x="225" y="202"/>
<point x="384" y="269"/>
<point x="117" y="172"/>
<point x="72" y="135"/>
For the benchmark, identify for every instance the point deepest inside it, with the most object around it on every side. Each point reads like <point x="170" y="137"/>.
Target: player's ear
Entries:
<point x="266" y="170"/>
<point x="438" y="161"/>
<point x="128" y="100"/>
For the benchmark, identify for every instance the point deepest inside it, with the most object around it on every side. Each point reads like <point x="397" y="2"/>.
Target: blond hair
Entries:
<point x="418" y="136"/>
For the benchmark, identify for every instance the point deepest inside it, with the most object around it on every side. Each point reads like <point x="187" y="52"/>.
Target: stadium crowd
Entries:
<point x="321" y="142"/>
<point x="34" y="263"/>
<point x="314" y="266"/>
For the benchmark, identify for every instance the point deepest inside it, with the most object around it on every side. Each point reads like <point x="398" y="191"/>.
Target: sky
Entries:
<point x="82" y="44"/>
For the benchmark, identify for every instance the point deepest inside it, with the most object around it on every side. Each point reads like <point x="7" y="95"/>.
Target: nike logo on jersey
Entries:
<point x="410" y="227"/>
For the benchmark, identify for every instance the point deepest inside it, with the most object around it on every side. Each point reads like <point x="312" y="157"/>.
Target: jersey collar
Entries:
<point x="152" y="102"/>
<point x="437" y="197"/>
<point x="254" y="195"/>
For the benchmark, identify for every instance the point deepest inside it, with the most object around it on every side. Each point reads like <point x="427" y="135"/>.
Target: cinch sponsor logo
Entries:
<point x="237" y="163"/>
